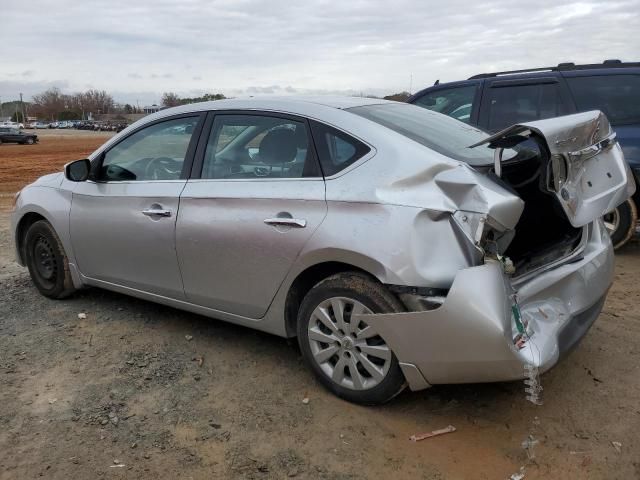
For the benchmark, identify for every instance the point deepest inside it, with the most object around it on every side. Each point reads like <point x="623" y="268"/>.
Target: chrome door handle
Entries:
<point x="156" y="212"/>
<point x="290" y="222"/>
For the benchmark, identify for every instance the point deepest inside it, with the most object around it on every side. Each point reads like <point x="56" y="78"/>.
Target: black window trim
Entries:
<point x="523" y="82"/>
<point x="207" y="130"/>
<point x="96" y="163"/>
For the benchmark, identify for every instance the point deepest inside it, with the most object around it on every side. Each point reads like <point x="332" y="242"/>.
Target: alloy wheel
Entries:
<point x="349" y="352"/>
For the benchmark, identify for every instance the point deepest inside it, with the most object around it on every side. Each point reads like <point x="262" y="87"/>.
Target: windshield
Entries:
<point x="438" y="132"/>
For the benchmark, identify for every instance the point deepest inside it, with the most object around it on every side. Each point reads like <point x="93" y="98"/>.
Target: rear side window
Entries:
<point x="336" y="149"/>
<point x="617" y="96"/>
<point x="438" y="132"/>
<point x="523" y="103"/>
<point x="455" y="102"/>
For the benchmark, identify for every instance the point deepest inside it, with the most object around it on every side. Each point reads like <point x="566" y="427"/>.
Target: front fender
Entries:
<point x="54" y="205"/>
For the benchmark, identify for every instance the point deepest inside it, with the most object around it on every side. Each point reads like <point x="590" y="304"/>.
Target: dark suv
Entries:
<point x="493" y="101"/>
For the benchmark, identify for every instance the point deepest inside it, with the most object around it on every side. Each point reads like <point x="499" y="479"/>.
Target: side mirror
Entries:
<point x="78" y="171"/>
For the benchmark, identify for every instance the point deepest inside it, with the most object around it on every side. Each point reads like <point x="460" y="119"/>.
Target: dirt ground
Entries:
<point x="137" y="390"/>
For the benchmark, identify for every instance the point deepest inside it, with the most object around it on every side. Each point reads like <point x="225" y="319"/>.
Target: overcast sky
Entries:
<point x="136" y="49"/>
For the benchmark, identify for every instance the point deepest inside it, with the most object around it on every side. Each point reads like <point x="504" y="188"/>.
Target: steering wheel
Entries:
<point x="162" y="168"/>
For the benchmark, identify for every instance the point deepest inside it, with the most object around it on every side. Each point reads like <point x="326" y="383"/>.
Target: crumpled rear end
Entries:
<point x="470" y="337"/>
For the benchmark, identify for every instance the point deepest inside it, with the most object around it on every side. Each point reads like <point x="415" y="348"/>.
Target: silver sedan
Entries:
<point x="400" y="246"/>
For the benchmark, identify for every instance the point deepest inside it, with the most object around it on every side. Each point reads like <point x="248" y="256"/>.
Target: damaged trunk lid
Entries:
<point x="586" y="170"/>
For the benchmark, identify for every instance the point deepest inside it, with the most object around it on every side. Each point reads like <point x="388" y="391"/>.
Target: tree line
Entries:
<point x="52" y="104"/>
<point x="171" y="99"/>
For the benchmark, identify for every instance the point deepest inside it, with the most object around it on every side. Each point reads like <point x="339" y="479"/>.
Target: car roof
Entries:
<point x="301" y="105"/>
<point x="606" y="67"/>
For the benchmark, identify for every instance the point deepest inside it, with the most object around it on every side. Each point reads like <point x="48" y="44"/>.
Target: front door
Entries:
<point x="259" y="198"/>
<point x="123" y="221"/>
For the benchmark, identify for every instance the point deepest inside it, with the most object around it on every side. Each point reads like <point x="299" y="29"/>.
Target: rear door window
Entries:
<point x="456" y="102"/>
<point x="258" y="147"/>
<point x="617" y="96"/>
<point x="510" y="104"/>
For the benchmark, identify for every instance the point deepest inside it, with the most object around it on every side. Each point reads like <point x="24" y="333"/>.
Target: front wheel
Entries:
<point x="621" y="223"/>
<point x="347" y="356"/>
<point x="29" y="141"/>
<point x="47" y="262"/>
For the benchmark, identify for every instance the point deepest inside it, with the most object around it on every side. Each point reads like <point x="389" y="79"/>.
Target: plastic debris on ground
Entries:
<point x="434" y="433"/>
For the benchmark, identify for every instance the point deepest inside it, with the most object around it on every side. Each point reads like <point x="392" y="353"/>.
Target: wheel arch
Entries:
<point x="306" y="280"/>
<point x="22" y="226"/>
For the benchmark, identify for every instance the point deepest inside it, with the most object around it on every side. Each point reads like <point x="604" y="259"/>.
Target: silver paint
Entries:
<point x="398" y="213"/>
<point x="583" y="145"/>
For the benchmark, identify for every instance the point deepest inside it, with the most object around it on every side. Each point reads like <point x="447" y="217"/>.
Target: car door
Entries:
<point x="256" y="197"/>
<point x="123" y="219"/>
<point x="509" y="101"/>
<point x="15" y="136"/>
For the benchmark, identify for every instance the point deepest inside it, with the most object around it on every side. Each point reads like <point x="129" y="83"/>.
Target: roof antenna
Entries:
<point x="437" y="82"/>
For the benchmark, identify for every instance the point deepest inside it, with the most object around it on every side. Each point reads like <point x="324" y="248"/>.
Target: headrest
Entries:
<point x="279" y="146"/>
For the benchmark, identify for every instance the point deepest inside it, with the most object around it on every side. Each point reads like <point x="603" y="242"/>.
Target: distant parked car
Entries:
<point x="14" y="135"/>
<point x="10" y="124"/>
<point x="494" y="101"/>
<point x="41" y="125"/>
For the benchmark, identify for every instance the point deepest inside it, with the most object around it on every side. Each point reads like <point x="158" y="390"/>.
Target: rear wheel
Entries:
<point x="347" y="356"/>
<point x="621" y="223"/>
<point x="47" y="261"/>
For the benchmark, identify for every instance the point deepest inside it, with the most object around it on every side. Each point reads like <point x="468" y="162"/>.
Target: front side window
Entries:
<point x="509" y="105"/>
<point x="258" y="146"/>
<point x="336" y="149"/>
<point x="617" y="96"/>
<point x="455" y="102"/>
<point x="156" y="152"/>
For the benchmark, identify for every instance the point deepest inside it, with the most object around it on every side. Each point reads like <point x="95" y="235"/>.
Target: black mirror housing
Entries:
<point x="78" y="171"/>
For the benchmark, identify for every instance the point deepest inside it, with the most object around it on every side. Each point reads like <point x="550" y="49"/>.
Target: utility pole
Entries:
<point x="1" y="114"/>
<point x="24" y="118"/>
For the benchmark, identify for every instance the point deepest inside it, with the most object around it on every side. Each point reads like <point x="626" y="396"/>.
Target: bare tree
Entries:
<point x="50" y="102"/>
<point x="170" y="99"/>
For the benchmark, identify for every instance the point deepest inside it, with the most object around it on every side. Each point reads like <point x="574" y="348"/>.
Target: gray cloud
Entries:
<point x="256" y="47"/>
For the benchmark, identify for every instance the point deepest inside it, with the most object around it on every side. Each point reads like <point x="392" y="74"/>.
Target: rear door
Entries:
<point x="256" y="197"/>
<point x="506" y="102"/>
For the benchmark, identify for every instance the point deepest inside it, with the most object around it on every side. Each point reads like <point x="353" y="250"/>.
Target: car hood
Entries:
<point x="50" y="180"/>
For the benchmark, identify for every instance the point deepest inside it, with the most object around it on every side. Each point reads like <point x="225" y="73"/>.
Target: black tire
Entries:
<point x="622" y="223"/>
<point x="29" y="141"/>
<point x="374" y="296"/>
<point x="47" y="261"/>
